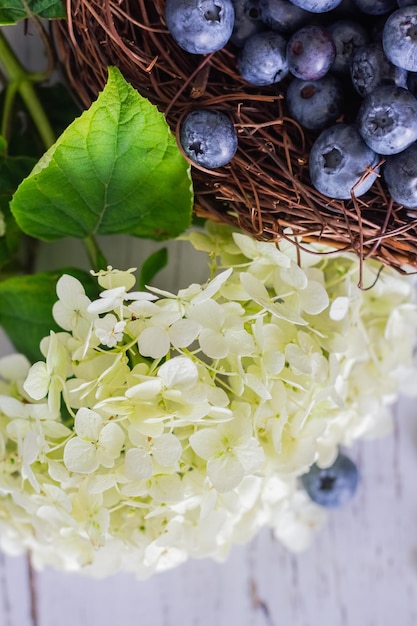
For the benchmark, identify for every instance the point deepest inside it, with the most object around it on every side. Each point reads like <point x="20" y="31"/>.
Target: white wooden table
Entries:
<point x="360" y="571"/>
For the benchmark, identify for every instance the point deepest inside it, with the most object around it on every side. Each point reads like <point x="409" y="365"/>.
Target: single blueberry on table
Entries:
<point x="400" y="174"/>
<point x="200" y="26"/>
<point x="341" y="164"/>
<point x="317" y="6"/>
<point x="334" y="486"/>
<point x="347" y="37"/>
<point x="370" y="68"/>
<point x="209" y="138"/>
<point x="283" y="16"/>
<point x="315" y="104"/>
<point x="399" y="38"/>
<point x="310" y="52"/>
<point x="262" y="59"/>
<point x="247" y="21"/>
<point x="387" y="119"/>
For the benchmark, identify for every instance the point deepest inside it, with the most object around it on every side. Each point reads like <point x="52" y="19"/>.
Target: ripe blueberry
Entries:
<point x="200" y="26"/>
<point x="310" y="52"/>
<point x="262" y="59"/>
<point x="333" y="486"/>
<point x="347" y="36"/>
<point x="208" y="138"/>
<point x="247" y="21"/>
<point x="387" y="119"/>
<point x="399" y="38"/>
<point x="283" y="16"/>
<point x="376" y="7"/>
<point x="317" y="6"/>
<point x="400" y="173"/>
<point x="339" y="160"/>
<point x="370" y="68"/>
<point x="315" y="104"/>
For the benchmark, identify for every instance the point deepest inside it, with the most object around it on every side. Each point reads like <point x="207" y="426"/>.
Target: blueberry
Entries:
<point x="262" y="59"/>
<point x="400" y="173"/>
<point x="200" y="26"/>
<point x="399" y="38"/>
<point x="208" y="138"/>
<point x="315" y="103"/>
<point x="406" y="3"/>
<point x="333" y="486"/>
<point x="310" y="52"/>
<point x="387" y="119"/>
<point x="339" y="159"/>
<point x="347" y="37"/>
<point x="317" y="6"/>
<point x="412" y="83"/>
<point x="376" y="7"/>
<point x="283" y="16"/>
<point x="247" y="21"/>
<point x="370" y="68"/>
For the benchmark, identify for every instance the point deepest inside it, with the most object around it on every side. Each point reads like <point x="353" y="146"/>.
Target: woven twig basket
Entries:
<point x="266" y="189"/>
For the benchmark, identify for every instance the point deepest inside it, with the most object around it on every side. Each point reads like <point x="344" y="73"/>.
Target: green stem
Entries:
<point x="23" y="82"/>
<point x="96" y="257"/>
<point x="9" y="97"/>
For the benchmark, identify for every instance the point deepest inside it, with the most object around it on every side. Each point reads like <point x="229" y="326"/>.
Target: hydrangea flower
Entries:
<point x="162" y="426"/>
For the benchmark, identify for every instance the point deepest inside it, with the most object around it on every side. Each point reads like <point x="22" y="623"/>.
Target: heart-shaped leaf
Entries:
<point x="116" y="169"/>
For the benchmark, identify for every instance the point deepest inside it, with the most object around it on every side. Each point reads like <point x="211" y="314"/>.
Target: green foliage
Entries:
<point x="151" y="266"/>
<point x="115" y="169"/>
<point x="26" y="307"/>
<point x="11" y="11"/>
<point x="24" y="138"/>
<point x="12" y="170"/>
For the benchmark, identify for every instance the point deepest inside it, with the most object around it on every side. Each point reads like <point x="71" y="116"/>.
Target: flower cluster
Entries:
<point x="167" y="425"/>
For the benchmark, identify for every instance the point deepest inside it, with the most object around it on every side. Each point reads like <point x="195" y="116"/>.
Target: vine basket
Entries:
<point x="266" y="189"/>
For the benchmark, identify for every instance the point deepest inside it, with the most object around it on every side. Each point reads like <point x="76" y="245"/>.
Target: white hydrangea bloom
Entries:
<point x="109" y="330"/>
<point x="70" y="310"/>
<point x="162" y="426"/>
<point x="96" y="443"/>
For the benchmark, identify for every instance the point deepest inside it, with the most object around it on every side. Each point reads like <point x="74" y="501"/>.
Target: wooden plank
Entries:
<point x="16" y="592"/>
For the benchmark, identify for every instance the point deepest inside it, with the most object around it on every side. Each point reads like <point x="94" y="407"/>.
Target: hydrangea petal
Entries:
<point x="138" y="464"/>
<point x="206" y="442"/>
<point x="225" y="472"/>
<point x="88" y="424"/>
<point x="37" y="382"/>
<point x="167" y="449"/>
<point x="154" y="342"/>
<point x="80" y="456"/>
<point x="314" y="298"/>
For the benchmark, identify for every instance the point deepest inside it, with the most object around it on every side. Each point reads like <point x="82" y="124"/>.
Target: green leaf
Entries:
<point x="151" y="266"/>
<point x="11" y="11"/>
<point x="116" y="169"/>
<point x="26" y="307"/>
<point x="12" y="171"/>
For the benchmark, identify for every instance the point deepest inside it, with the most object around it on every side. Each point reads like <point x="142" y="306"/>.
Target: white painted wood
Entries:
<point x="16" y="601"/>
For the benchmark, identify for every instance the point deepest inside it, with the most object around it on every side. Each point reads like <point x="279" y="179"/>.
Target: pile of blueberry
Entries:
<point x="327" y="54"/>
